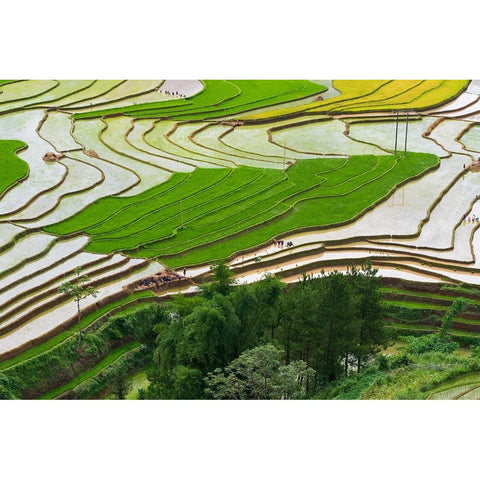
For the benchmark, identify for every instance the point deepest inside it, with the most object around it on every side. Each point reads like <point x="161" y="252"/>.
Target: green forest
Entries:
<point x="323" y="337"/>
<point x="266" y="340"/>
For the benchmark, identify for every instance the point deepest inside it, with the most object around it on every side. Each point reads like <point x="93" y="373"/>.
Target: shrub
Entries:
<point x="429" y="343"/>
<point x="7" y="388"/>
<point x="383" y="362"/>
<point x="401" y="360"/>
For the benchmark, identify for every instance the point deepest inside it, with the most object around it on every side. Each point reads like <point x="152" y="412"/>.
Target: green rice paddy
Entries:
<point x="220" y="98"/>
<point x="211" y="213"/>
<point x="12" y="168"/>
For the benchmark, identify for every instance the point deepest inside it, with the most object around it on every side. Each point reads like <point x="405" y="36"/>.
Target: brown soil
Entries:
<point x="159" y="281"/>
<point x="474" y="166"/>
<point x="233" y="123"/>
<point x="52" y="157"/>
<point x="92" y="153"/>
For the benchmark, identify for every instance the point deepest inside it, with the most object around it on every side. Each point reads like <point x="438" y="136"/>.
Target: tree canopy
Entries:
<point x="267" y="339"/>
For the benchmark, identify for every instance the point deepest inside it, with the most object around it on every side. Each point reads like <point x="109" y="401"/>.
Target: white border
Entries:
<point x="247" y="39"/>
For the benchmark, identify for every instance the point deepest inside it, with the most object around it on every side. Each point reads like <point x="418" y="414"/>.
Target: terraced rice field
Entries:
<point x="221" y="203"/>
<point x="153" y="174"/>
<point x="464" y="387"/>
<point x="113" y="356"/>
<point x="221" y="98"/>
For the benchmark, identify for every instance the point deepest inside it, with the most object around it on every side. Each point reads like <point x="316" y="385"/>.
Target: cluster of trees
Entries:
<point x="260" y="374"/>
<point x="266" y="339"/>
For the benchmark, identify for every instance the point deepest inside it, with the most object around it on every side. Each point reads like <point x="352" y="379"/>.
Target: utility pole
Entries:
<point x="406" y="135"/>
<point x="396" y="134"/>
